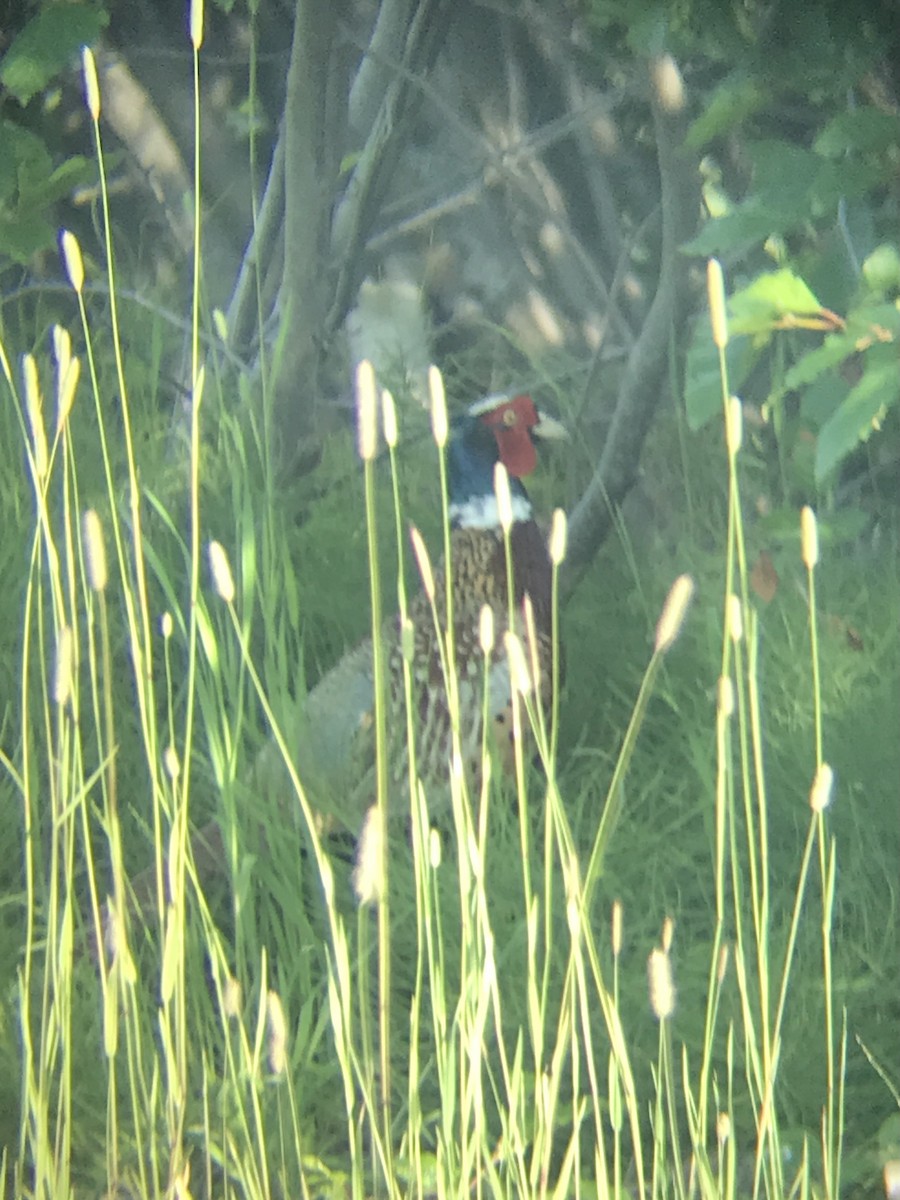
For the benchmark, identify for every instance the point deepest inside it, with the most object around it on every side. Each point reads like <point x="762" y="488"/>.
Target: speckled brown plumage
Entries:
<point x="478" y="578"/>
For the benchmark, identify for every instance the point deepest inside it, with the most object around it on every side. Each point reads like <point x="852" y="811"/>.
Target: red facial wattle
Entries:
<point x="512" y="424"/>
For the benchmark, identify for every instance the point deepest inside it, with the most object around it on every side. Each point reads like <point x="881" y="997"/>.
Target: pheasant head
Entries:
<point x="495" y="429"/>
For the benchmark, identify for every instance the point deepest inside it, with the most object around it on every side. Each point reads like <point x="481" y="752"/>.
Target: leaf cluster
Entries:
<point x="815" y="313"/>
<point x="32" y="179"/>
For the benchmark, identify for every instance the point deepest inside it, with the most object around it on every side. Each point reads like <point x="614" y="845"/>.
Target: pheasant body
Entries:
<point x="478" y="577"/>
<point x="495" y="430"/>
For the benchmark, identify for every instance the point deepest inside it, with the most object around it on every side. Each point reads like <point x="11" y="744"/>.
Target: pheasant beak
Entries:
<point x="549" y="429"/>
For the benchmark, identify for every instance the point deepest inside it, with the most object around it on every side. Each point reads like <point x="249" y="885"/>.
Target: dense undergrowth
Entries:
<point x="485" y="1026"/>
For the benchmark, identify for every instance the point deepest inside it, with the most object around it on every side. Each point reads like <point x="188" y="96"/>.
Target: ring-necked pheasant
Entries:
<point x="334" y="743"/>
<point x="338" y="711"/>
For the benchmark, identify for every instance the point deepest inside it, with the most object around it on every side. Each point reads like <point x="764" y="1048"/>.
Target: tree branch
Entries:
<point x="353" y="219"/>
<point x="644" y="379"/>
<point x="243" y="315"/>
<point x="377" y="70"/>
<point x="310" y="175"/>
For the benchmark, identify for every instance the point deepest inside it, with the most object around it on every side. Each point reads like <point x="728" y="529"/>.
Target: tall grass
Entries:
<point x="492" y="1066"/>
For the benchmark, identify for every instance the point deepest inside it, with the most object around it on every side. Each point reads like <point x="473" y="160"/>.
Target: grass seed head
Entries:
<point x="668" y="83"/>
<point x="94" y="550"/>
<point x="72" y="260"/>
<point x="558" y="537"/>
<point x="171" y="762"/>
<point x="368" y="873"/>
<point x="723" y="1128"/>
<point x="223" y="580"/>
<point x="809" y="537"/>
<point x="231" y="999"/>
<point x="734" y="425"/>
<point x="435" y="848"/>
<point x="892" y="1179"/>
<point x="532" y="639"/>
<point x="674" y="611"/>
<point x="486" y="632"/>
<point x="518" y="668"/>
<point x="617" y="928"/>
<point x="62" y="674"/>
<point x="196" y="23"/>
<point x="66" y="393"/>
<point x="91" y="86"/>
<point x="820" y="792"/>
<point x="504" y="498"/>
<point x="668" y="933"/>
<point x="33" y="409"/>
<point x="277" y="1033"/>
<point x="62" y="351"/>
<point x="389" y="418"/>
<point x="715" y="287"/>
<point x="439" y="426"/>
<point x="661" y="983"/>
<point x="366" y="411"/>
<point x="423" y="562"/>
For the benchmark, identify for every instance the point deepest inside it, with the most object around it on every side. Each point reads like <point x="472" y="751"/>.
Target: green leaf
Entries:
<point x="822" y="399"/>
<point x="28" y="187"/>
<point x="703" y="383"/>
<point x="795" y="183"/>
<point x="861" y="321"/>
<point x="24" y="157"/>
<point x="791" y="185"/>
<point x="863" y="130"/>
<point x="22" y="235"/>
<point x="865" y="404"/>
<point x="835" y="348"/>
<point x="735" y="232"/>
<point x="770" y="296"/>
<point x="876" y="330"/>
<point x="63" y="181"/>
<point x="45" y="46"/>
<point x="881" y="269"/>
<point x="735" y="99"/>
<point x="832" y="271"/>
